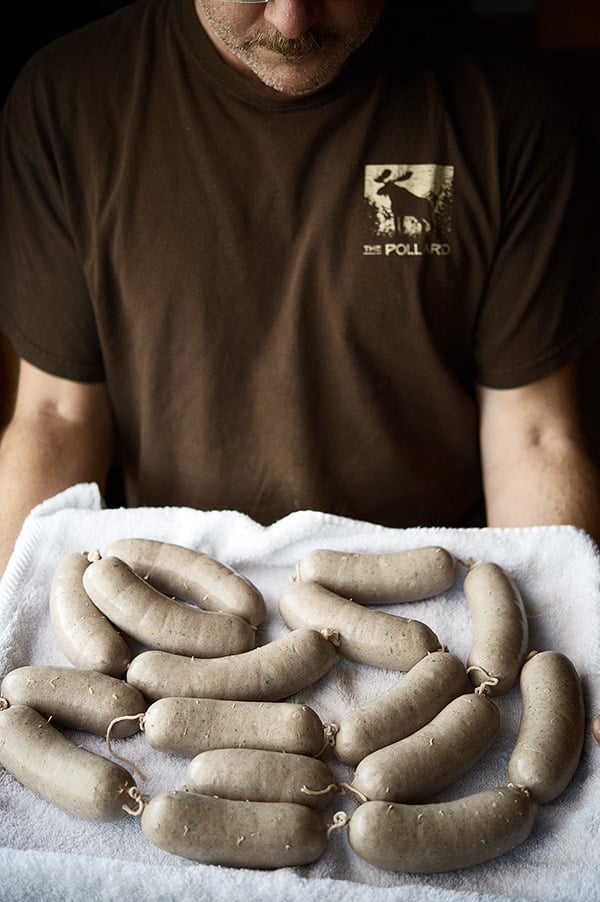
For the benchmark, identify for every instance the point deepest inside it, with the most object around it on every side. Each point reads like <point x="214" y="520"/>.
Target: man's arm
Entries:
<point x="61" y="433"/>
<point x="536" y="468"/>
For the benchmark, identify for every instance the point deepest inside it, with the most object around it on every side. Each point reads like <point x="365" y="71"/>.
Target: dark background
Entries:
<point x="37" y="23"/>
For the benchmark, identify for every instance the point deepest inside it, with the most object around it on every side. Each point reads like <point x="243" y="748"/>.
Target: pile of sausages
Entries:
<point x="257" y="784"/>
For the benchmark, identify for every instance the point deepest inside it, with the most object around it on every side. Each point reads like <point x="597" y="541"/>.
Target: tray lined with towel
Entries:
<point x="47" y="854"/>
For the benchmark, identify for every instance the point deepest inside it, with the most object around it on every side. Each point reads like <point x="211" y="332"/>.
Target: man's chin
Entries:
<point x="294" y="78"/>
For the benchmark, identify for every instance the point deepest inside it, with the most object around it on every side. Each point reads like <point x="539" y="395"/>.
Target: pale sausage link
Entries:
<point x="271" y="672"/>
<point x="381" y="578"/>
<point x="366" y="635"/>
<point x="47" y="763"/>
<point x="441" y="836"/>
<point x="193" y="576"/>
<point x="241" y="834"/>
<point x="552" y="728"/>
<point x="499" y="627"/>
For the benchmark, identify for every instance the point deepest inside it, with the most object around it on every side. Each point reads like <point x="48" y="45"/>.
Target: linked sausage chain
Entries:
<point x="203" y="690"/>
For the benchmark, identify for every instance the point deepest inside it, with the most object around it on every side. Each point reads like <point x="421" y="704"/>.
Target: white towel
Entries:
<point x="46" y="854"/>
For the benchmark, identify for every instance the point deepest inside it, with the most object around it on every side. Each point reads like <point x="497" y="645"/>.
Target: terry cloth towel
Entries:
<point x="47" y="854"/>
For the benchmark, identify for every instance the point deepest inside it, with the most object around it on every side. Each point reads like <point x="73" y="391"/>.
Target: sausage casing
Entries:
<point x="416" y="768"/>
<point x="46" y="762"/>
<point x="192" y="576"/>
<point x="499" y="626"/>
<point x="407" y="706"/>
<point x="270" y="672"/>
<point x="366" y="635"/>
<point x="156" y="621"/>
<point x="261" y="776"/>
<point x="188" y="726"/>
<point x="552" y="729"/>
<point x="381" y="578"/>
<point x="76" y="699"/>
<point x="85" y="636"/>
<point x="441" y="836"/>
<point x="234" y="833"/>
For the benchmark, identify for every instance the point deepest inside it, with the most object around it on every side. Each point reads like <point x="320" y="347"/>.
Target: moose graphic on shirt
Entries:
<point x="410" y="200"/>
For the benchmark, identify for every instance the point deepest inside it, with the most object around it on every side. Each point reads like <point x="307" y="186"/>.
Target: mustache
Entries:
<point x="288" y="48"/>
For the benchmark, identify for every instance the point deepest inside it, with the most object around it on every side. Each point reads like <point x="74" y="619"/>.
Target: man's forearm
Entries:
<point x="551" y="483"/>
<point x="39" y="458"/>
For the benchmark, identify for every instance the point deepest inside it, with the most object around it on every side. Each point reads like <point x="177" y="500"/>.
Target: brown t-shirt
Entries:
<point x="291" y="301"/>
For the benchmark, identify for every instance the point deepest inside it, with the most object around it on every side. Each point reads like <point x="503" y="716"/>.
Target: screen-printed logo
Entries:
<point x="410" y="208"/>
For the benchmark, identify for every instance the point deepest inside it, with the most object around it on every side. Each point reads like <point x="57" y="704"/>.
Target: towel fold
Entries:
<point x="47" y="854"/>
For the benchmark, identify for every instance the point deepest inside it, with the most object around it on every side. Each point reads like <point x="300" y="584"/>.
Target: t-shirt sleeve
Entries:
<point x="540" y="306"/>
<point x="45" y="304"/>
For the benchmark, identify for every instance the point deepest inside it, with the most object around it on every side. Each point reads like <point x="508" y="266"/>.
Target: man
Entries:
<point x="293" y="254"/>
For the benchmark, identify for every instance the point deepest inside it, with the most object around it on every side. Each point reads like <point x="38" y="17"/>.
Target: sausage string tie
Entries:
<point x="348" y="787"/>
<point x="340" y="788"/>
<point x="332" y="636"/>
<point x="330" y="730"/>
<point x="134" y="793"/>
<point x="340" y="820"/>
<point x="519" y="787"/>
<point x="488" y="682"/>
<point x="112" y="752"/>
<point x="319" y="792"/>
<point x="4" y="703"/>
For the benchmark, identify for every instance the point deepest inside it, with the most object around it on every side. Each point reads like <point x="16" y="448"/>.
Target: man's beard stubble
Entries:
<point x="320" y="53"/>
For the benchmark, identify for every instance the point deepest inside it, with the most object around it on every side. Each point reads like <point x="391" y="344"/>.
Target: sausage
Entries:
<point x="441" y="836"/>
<point x="157" y="621"/>
<point x="77" y="699"/>
<point x="384" y="578"/>
<point x="408" y="705"/>
<point x="192" y="576"/>
<point x="46" y="762"/>
<point x="552" y="728"/>
<point x="234" y="833"/>
<point x="261" y="776"/>
<point x="416" y="768"/>
<point x="84" y="635"/>
<point x="366" y="636"/>
<point x="499" y="627"/>
<point x="270" y="672"/>
<point x="187" y="726"/>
